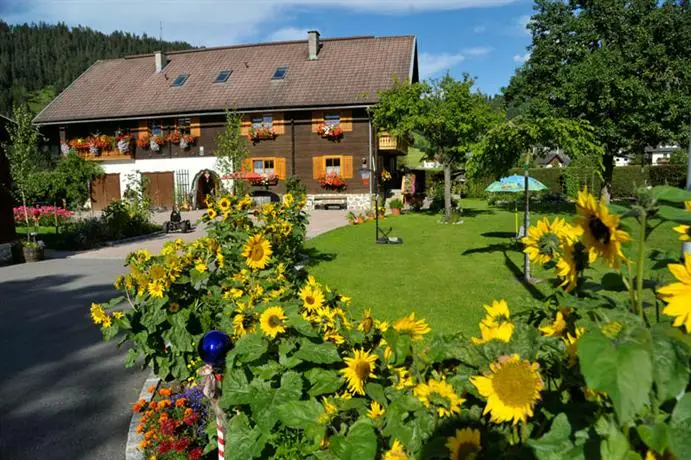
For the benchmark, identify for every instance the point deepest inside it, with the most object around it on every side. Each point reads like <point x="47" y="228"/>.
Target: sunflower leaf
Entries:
<point x="361" y="442"/>
<point x="250" y="348"/>
<point x="323" y="381"/>
<point x="680" y="436"/>
<point x="655" y="436"/>
<point x="671" y="194"/>
<point x="670" y="369"/>
<point x="300" y="414"/>
<point x="324" y="353"/>
<point x="555" y="443"/>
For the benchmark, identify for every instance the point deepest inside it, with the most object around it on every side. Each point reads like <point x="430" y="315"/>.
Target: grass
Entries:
<point x="47" y="234"/>
<point x="444" y="273"/>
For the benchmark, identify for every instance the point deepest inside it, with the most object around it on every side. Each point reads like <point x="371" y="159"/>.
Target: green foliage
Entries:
<point x="395" y="204"/>
<point x="679" y="158"/>
<point x="295" y="186"/>
<point x="232" y="148"/>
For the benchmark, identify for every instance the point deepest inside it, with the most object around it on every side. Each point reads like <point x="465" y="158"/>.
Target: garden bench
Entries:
<point x="326" y="201"/>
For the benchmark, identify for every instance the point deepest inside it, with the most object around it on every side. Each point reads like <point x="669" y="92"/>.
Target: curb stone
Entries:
<point x="132" y="239"/>
<point x="132" y="451"/>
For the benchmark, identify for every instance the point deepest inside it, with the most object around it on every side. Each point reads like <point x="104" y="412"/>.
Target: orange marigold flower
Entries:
<point x="163" y="404"/>
<point x="144" y="444"/>
<point x="163" y="417"/>
<point x="165" y="392"/>
<point x="153" y="405"/>
<point x="149" y="434"/>
<point x="188" y="411"/>
<point x="180" y="402"/>
<point x="152" y="388"/>
<point x="138" y="406"/>
<point x="140" y="428"/>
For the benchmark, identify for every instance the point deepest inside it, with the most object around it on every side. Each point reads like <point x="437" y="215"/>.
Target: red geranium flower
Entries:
<point x="196" y="453"/>
<point x="191" y="419"/>
<point x="165" y="447"/>
<point x="181" y="444"/>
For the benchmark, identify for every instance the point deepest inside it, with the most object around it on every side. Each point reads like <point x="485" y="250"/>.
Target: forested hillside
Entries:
<point x="38" y="61"/>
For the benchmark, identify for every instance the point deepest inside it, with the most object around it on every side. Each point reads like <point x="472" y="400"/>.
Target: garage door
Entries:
<point x="104" y="189"/>
<point x="161" y="188"/>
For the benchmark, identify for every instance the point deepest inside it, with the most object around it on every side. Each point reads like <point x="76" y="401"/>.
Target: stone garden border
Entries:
<point x="132" y="451"/>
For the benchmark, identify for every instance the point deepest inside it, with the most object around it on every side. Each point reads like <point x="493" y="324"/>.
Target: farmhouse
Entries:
<point x="304" y="107"/>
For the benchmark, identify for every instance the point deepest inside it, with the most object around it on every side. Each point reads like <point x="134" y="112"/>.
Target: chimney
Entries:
<point x="313" y="44"/>
<point x="161" y="61"/>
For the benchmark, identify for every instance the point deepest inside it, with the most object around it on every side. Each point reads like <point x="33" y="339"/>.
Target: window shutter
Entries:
<point x="317" y="119"/>
<point x="347" y="121"/>
<point x="195" y="127"/>
<point x="247" y="165"/>
<point x="279" y="123"/>
<point x="347" y="167"/>
<point x="280" y="167"/>
<point x="245" y="123"/>
<point x="143" y="128"/>
<point x="318" y="167"/>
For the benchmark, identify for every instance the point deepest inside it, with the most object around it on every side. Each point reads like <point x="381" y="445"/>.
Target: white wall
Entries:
<point x="193" y="165"/>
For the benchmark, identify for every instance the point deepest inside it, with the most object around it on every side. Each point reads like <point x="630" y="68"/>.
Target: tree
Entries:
<point x="621" y="65"/>
<point x="231" y="148"/>
<point x="504" y="145"/>
<point x="447" y="113"/>
<point x="21" y="151"/>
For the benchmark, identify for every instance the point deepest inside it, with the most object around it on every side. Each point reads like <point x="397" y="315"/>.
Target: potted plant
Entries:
<point x="123" y="142"/>
<point x="330" y="132"/>
<point x="333" y="182"/>
<point x="186" y="140"/>
<point x="174" y="137"/>
<point x="144" y="142"/>
<point x="370" y="214"/>
<point x="80" y="144"/>
<point x="360" y="219"/>
<point x="351" y="218"/>
<point x="32" y="250"/>
<point x="260" y="134"/>
<point x="395" y="206"/>
<point x="156" y="142"/>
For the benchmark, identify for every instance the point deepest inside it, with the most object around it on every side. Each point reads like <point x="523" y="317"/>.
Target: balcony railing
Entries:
<point x="393" y="143"/>
<point x="108" y="155"/>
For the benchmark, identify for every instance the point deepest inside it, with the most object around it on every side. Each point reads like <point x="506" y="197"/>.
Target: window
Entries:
<point x="156" y="128"/>
<point x="280" y="73"/>
<point x="262" y="121"/>
<point x="333" y="165"/>
<point x="180" y="80"/>
<point x="223" y="76"/>
<point x="332" y="119"/>
<point x="184" y="126"/>
<point x="263" y="167"/>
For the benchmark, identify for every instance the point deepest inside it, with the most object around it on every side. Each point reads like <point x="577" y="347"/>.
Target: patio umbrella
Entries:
<point x="515" y="184"/>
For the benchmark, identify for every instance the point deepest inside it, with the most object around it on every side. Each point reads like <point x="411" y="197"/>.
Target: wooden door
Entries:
<point x="161" y="188"/>
<point x="104" y="189"/>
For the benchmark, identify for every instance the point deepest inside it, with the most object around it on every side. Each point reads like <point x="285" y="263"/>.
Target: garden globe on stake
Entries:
<point x="212" y="349"/>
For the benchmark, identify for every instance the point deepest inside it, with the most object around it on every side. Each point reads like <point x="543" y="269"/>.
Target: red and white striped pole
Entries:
<point x="211" y="385"/>
<point x="221" y="438"/>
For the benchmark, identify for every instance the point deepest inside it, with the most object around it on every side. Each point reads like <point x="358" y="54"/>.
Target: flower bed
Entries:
<point x="305" y="378"/>
<point x="42" y="215"/>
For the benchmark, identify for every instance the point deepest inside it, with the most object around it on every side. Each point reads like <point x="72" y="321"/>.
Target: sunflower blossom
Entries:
<point x="544" y="240"/>
<point x="155" y="290"/>
<point x="512" y="388"/>
<point x="495" y="325"/>
<point x="464" y="445"/>
<point x="272" y="320"/>
<point x="312" y="297"/>
<point x="440" y="394"/>
<point x="678" y="295"/>
<point x="258" y="251"/>
<point x="600" y="234"/>
<point x="415" y="328"/>
<point x="397" y="452"/>
<point x="359" y="368"/>
<point x="242" y="325"/>
<point x="98" y="314"/>
<point x="367" y="322"/>
<point x="375" y="410"/>
<point x="571" y="342"/>
<point x="684" y="232"/>
<point x="557" y="327"/>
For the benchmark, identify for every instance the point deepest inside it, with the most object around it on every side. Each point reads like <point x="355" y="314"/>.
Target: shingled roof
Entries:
<point x="348" y="71"/>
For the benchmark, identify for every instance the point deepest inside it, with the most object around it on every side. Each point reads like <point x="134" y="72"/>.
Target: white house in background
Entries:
<point x="661" y="154"/>
<point x="430" y="164"/>
<point x="622" y="161"/>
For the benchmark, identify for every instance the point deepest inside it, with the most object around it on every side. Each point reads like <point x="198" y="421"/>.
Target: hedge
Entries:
<point x="568" y="181"/>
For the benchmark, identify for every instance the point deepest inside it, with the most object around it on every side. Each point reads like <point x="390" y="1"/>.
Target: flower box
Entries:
<point x="330" y="132"/>
<point x="333" y="182"/>
<point x="254" y="178"/>
<point x="261" y="134"/>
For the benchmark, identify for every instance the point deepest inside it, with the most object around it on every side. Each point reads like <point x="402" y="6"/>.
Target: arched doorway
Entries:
<point x="206" y="182"/>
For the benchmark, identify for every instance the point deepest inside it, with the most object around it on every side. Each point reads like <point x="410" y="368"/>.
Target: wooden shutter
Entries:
<point x="317" y="119"/>
<point x="279" y="123"/>
<point x="247" y="165"/>
<point x="347" y="167"/>
<point x="195" y="127"/>
<point x="318" y="167"/>
<point x="280" y="167"/>
<point x="143" y="129"/>
<point x="245" y="123"/>
<point x="346" y="120"/>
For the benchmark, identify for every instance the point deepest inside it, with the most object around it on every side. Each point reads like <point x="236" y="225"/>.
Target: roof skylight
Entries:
<point x="223" y="76"/>
<point x="280" y="73"/>
<point x="180" y="80"/>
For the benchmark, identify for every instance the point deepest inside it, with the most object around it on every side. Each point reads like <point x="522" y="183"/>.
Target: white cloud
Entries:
<point x="433" y="64"/>
<point x="289" y="33"/>
<point x="521" y="59"/>
<point x="477" y="51"/>
<point x="205" y="22"/>
<point x="522" y="24"/>
<point x="479" y="29"/>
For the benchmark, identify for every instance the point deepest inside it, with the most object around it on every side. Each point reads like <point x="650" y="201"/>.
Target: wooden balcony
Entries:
<point x="390" y="143"/>
<point x="110" y="155"/>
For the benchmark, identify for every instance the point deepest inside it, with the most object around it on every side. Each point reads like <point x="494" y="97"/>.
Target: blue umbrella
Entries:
<point x="515" y="184"/>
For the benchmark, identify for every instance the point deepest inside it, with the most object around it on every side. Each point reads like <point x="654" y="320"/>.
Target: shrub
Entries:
<point x="395" y="204"/>
<point x="579" y="372"/>
<point x="673" y="174"/>
<point x="627" y="179"/>
<point x="295" y="187"/>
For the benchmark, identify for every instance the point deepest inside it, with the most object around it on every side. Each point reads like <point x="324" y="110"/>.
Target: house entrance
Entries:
<point x="206" y="183"/>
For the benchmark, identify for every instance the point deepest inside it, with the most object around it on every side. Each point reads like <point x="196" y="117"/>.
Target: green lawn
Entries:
<point x="442" y="272"/>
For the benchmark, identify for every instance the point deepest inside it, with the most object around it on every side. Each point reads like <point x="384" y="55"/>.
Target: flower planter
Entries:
<point x="395" y="211"/>
<point x="32" y="254"/>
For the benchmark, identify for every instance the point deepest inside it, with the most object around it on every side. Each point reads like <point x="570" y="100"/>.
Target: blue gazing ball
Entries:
<point x="213" y="347"/>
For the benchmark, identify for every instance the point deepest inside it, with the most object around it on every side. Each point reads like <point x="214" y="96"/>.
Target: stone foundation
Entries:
<point x="354" y="202"/>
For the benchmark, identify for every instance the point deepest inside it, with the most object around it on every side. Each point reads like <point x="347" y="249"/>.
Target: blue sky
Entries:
<point x="485" y="38"/>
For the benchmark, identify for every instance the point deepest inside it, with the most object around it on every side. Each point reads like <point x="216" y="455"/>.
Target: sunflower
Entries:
<point x="243" y="324"/>
<point x="375" y="410"/>
<point x="415" y="328"/>
<point x="174" y="307"/>
<point x="224" y="204"/>
<point x="571" y="342"/>
<point x="678" y="295"/>
<point x="257" y="250"/>
<point x="465" y="445"/>
<point x="271" y="321"/>
<point x="200" y="265"/>
<point x="600" y="234"/>
<point x="684" y="232"/>
<point x="502" y="333"/>
<point x="558" y="326"/>
<point x="687" y="205"/>
<point x="211" y="214"/>
<point x="397" y="452"/>
<point x="98" y="314"/>
<point x="330" y="410"/>
<point x="155" y="290"/>
<point x="367" y="322"/>
<point x="611" y="329"/>
<point x="512" y="388"/>
<point x="288" y="199"/>
<point x="567" y="268"/>
<point x="157" y="272"/>
<point x="107" y="321"/>
<point x="404" y="378"/>
<point x="441" y="395"/>
<point x="545" y="239"/>
<point x="118" y="314"/>
<point x="359" y="368"/>
<point x="333" y="336"/>
<point x="312" y="297"/>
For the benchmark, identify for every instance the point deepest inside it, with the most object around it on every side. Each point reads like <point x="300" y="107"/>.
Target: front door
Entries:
<point x="104" y="189"/>
<point x="161" y="188"/>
